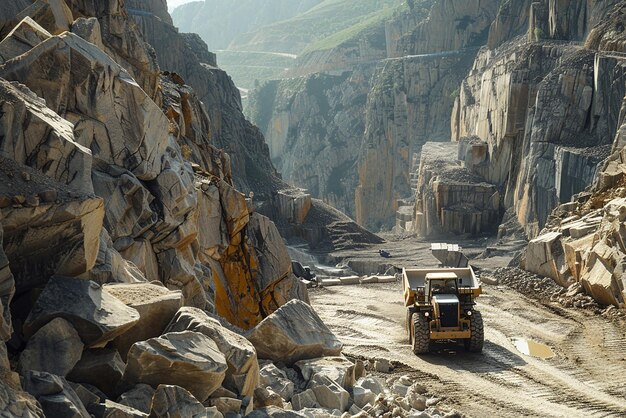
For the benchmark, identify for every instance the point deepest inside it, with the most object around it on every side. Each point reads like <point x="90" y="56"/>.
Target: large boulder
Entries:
<point x="55" y="348"/>
<point x="338" y="369"/>
<point x="97" y="315"/>
<point x="242" y="375"/>
<point x="171" y="401"/>
<point x="294" y="332"/>
<point x="100" y="367"/>
<point x="187" y="359"/>
<point x="139" y="397"/>
<point x="54" y="393"/>
<point x="156" y="306"/>
<point x="545" y="254"/>
<point x="48" y="227"/>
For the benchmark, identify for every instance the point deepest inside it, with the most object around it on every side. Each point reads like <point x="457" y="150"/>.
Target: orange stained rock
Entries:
<point x="238" y="299"/>
<point x="275" y="295"/>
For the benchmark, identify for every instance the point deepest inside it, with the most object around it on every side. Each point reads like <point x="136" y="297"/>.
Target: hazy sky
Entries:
<point x="171" y="4"/>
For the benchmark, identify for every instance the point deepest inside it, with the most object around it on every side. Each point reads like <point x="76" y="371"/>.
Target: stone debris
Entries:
<point x="273" y="378"/>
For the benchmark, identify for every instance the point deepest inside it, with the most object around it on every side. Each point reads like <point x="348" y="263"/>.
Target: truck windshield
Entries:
<point x="443" y="286"/>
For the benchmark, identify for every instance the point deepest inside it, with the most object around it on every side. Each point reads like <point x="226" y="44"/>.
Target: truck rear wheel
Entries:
<point x="474" y="344"/>
<point x="421" y="334"/>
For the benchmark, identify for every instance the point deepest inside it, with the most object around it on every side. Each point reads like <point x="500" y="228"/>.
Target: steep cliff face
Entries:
<point x="582" y="243"/>
<point x="450" y="26"/>
<point x="410" y="103"/>
<point x="312" y="130"/>
<point x="228" y="129"/>
<point x="548" y="100"/>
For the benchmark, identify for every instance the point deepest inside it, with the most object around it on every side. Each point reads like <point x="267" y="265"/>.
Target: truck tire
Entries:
<point x="421" y="334"/>
<point x="474" y="344"/>
<point x="409" y="323"/>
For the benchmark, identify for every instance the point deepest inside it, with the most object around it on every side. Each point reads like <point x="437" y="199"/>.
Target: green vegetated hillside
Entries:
<point x="262" y="52"/>
<point x="322" y="21"/>
<point x="218" y="22"/>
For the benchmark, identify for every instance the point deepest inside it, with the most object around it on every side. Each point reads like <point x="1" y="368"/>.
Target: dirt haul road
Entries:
<point x="586" y="377"/>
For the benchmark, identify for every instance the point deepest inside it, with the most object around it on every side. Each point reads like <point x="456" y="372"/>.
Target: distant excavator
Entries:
<point x="305" y="274"/>
<point x="440" y="302"/>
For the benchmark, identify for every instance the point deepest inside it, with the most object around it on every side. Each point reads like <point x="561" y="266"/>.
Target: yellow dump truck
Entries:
<point x="440" y="306"/>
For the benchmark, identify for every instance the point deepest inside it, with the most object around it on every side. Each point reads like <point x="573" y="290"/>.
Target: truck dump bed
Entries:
<point x="414" y="279"/>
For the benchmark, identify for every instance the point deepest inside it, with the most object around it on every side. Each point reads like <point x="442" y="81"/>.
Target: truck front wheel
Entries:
<point x="409" y="323"/>
<point x="421" y="334"/>
<point x="474" y="344"/>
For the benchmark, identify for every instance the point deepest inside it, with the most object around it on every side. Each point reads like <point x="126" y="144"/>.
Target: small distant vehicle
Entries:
<point x="305" y="274"/>
<point x="384" y="253"/>
<point x="440" y="306"/>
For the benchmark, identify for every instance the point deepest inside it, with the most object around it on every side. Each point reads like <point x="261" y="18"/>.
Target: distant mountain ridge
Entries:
<point x="219" y="22"/>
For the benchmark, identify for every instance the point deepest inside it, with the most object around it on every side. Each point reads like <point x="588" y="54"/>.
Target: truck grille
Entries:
<point x="449" y="314"/>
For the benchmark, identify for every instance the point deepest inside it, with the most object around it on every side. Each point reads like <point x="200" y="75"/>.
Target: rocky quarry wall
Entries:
<point x="582" y="242"/>
<point x="361" y="125"/>
<point x="135" y="278"/>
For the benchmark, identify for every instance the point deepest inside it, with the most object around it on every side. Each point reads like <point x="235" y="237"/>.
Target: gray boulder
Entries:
<point x="55" y="348"/>
<point x="110" y="409"/>
<point x="187" y="359"/>
<point x="171" y="401"/>
<point x="156" y="306"/>
<point x="294" y="332"/>
<point x="329" y="394"/>
<point x="139" y="397"/>
<point x="100" y="367"/>
<point x="97" y="316"/>
<point x="274" y="378"/>
<point x="54" y="393"/>
<point x="338" y="369"/>
<point x="242" y="375"/>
